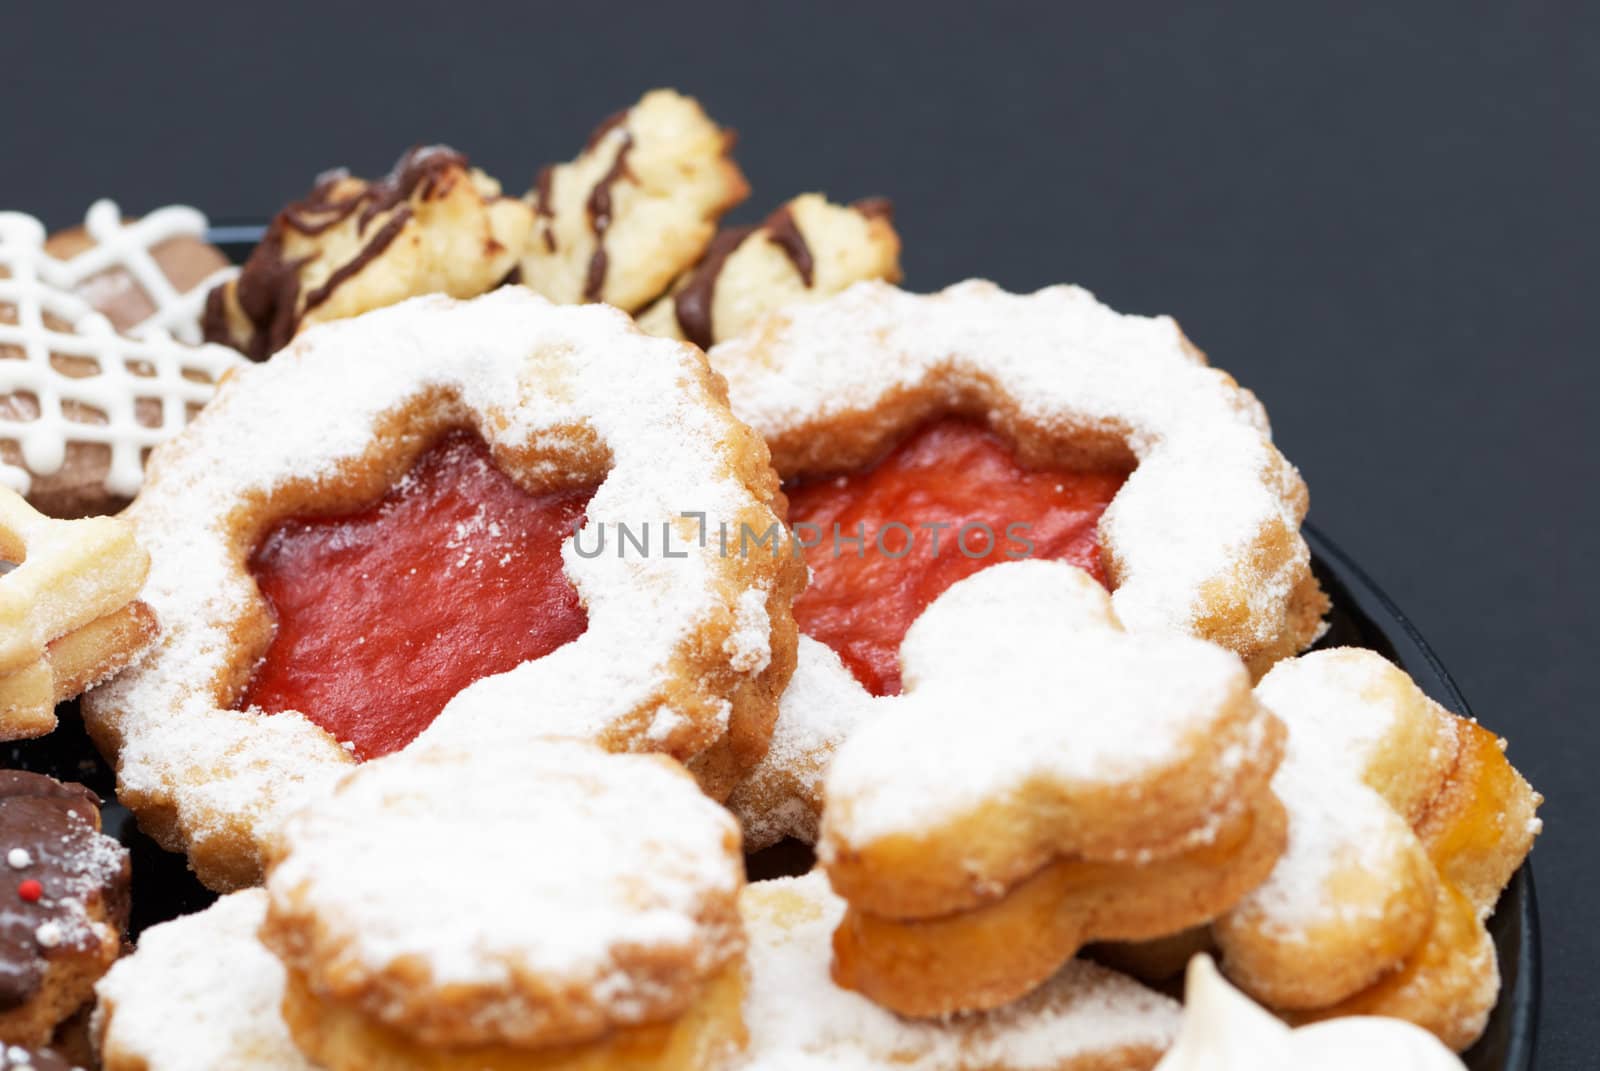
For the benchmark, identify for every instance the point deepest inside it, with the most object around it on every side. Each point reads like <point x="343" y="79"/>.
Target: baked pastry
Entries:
<point x="148" y="276"/>
<point x="922" y="439"/>
<point x="1405" y="823"/>
<point x="809" y="249"/>
<point x="1115" y="788"/>
<point x="679" y="648"/>
<point x="1085" y="1017"/>
<point x="635" y="209"/>
<point x="17" y="1058"/>
<point x="69" y="611"/>
<point x="607" y="936"/>
<point x="200" y="993"/>
<point x="1223" y="1030"/>
<point x="433" y="225"/>
<point x="63" y="903"/>
<point x="80" y="405"/>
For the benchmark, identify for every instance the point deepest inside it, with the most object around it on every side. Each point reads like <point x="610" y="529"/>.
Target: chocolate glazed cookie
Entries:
<point x="63" y="903"/>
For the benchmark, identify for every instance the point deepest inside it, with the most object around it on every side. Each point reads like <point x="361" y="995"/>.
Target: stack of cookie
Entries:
<point x="500" y="572"/>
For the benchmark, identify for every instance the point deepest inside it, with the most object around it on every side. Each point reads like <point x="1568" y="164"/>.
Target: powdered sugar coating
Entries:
<point x="794" y="1010"/>
<point x="1068" y="701"/>
<point x="557" y="889"/>
<point x="782" y="796"/>
<point x="564" y="384"/>
<point x="199" y="994"/>
<point x="1340" y="719"/>
<point x="1191" y="526"/>
<point x="35" y="303"/>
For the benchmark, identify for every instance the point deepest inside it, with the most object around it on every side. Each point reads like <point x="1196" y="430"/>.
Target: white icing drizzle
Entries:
<point x="1223" y="1030"/>
<point x="130" y="247"/>
<point x="798" y="1018"/>
<point x="156" y="367"/>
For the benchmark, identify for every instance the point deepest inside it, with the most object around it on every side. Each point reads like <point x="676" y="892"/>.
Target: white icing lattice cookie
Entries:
<point x="1085" y="1017"/>
<point x="456" y="909"/>
<point x="148" y="276"/>
<point x="685" y="647"/>
<point x="80" y="405"/>
<point x="1114" y="783"/>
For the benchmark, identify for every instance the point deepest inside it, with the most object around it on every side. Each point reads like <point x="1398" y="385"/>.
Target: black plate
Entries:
<point x="1362" y="616"/>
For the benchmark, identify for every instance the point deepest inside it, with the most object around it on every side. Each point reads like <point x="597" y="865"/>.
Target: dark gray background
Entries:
<point x="1383" y="222"/>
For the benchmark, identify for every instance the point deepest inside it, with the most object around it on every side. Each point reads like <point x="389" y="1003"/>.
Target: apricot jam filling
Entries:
<point x="948" y="501"/>
<point x="383" y="615"/>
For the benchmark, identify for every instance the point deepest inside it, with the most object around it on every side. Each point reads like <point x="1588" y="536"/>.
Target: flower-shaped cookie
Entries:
<point x="1405" y="823"/>
<point x="1045" y="779"/>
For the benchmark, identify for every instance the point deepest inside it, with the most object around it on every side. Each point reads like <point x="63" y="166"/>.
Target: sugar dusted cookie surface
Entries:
<point x="808" y="250"/>
<point x="1203" y="538"/>
<point x="1405" y="823"/>
<point x="636" y="207"/>
<point x="683" y="653"/>
<point x="200" y="993"/>
<point x="1084" y="1017"/>
<point x="527" y="898"/>
<point x="433" y="225"/>
<point x="1115" y="783"/>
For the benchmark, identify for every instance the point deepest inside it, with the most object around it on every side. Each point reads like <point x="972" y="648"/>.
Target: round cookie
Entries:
<point x="807" y="250"/>
<point x="433" y="225"/>
<point x="80" y="405"/>
<point x="635" y="209"/>
<point x="454" y="909"/>
<point x="684" y="649"/>
<point x="63" y="903"/>
<point x="200" y="993"/>
<point x="148" y="275"/>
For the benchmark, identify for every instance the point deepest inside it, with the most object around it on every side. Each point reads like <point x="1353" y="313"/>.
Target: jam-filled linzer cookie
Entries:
<point x="63" y="903"/>
<point x="1115" y="784"/>
<point x="924" y="438"/>
<point x="69" y="610"/>
<point x="433" y="225"/>
<point x="80" y="404"/>
<point x="1085" y="1018"/>
<point x="553" y="906"/>
<point x="635" y="209"/>
<point x="493" y="520"/>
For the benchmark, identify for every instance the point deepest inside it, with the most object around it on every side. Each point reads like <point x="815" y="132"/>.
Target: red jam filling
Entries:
<point x="385" y="614"/>
<point x="947" y="502"/>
